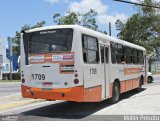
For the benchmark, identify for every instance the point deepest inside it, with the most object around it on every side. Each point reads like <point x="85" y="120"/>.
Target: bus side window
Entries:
<point x="106" y="54"/>
<point x="123" y="58"/>
<point x="90" y="49"/>
<point x="84" y="56"/>
<point x="113" y="53"/>
<point x="135" y="61"/>
<point x="119" y="53"/>
<point x="128" y="54"/>
<point x="102" y="54"/>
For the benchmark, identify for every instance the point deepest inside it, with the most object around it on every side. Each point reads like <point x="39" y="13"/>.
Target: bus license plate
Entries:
<point x="47" y="84"/>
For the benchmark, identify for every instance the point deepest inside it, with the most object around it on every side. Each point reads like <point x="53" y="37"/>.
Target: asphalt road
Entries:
<point x="145" y="102"/>
<point x="9" y="89"/>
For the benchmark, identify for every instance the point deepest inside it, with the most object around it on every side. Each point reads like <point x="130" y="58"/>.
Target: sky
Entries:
<point x="16" y="13"/>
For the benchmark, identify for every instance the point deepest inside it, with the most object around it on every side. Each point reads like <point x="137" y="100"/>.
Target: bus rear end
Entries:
<point x="48" y="65"/>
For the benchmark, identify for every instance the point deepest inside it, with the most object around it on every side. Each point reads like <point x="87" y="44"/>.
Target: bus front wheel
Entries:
<point x="115" y="93"/>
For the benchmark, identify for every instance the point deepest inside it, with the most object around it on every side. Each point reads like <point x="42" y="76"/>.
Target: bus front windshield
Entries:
<point x="50" y="41"/>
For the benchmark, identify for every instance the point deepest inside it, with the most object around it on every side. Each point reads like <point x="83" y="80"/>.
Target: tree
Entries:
<point x="17" y="38"/>
<point x="87" y="19"/>
<point x="142" y="28"/>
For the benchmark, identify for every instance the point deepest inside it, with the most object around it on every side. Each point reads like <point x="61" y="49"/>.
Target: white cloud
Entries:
<point x="52" y="1"/>
<point x="105" y="19"/>
<point x="103" y="15"/>
<point x="85" y="5"/>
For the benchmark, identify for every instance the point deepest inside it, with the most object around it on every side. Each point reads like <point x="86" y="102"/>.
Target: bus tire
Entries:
<point x="150" y="79"/>
<point x="115" y="93"/>
<point x="140" y="85"/>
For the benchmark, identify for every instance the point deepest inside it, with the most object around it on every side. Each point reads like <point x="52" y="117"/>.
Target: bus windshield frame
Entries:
<point x="48" y="41"/>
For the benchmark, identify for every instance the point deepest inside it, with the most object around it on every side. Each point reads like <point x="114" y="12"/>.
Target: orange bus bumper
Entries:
<point x="77" y="94"/>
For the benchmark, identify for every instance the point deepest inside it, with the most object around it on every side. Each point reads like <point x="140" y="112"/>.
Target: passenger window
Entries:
<point x="90" y="49"/>
<point x="106" y="54"/>
<point x="128" y="54"/>
<point x="141" y="57"/>
<point x="102" y="54"/>
<point x="119" y="53"/>
<point x="135" y="55"/>
<point x="113" y="53"/>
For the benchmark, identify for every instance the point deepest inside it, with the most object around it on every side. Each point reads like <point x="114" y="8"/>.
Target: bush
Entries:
<point x="15" y="76"/>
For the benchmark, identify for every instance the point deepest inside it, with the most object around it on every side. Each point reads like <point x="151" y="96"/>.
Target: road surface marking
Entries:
<point x="18" y="103"/>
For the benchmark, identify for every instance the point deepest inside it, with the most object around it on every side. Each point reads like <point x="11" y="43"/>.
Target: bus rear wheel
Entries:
<point x="115" y="93"/>
<point x="140" y="85"/>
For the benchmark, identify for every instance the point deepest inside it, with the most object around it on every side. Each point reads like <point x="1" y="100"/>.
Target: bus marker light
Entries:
<point x="76" y="81"/>
<point x="76" y="75"/>
<point x="75" y="70"/>
<point x="22" y="75"/>
<point x="47" y="84"/>
<point x="23" y="80"/>
<point x="65" y="83"/>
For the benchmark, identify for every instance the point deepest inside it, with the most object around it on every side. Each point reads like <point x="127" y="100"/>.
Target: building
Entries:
<point x="4" y="61"/>
<point x="1" y="57"/>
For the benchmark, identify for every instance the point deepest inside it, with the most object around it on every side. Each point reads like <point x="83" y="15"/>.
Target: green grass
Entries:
<point x="8" y="81"/>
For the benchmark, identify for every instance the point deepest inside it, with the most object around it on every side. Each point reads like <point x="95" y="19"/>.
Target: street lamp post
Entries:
<point x="1" y="59"/>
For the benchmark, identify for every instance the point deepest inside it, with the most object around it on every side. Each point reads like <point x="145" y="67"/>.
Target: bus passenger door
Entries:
<point x="105" y="73"/>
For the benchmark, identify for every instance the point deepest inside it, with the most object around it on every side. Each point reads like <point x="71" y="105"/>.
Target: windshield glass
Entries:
<point x="50" y="41"/>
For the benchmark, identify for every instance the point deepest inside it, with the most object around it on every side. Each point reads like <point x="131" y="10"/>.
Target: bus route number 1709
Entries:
<point x="38" y="76"/>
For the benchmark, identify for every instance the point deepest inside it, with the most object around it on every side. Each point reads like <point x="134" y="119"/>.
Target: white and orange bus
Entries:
<point x="73" y="63"/>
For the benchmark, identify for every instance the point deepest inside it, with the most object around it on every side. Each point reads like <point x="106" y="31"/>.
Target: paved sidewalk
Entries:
<point x="5" y="83"/>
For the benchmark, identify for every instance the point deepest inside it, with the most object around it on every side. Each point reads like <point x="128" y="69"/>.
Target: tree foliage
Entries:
<point x="142" y="28"/>
<point x="87" y="19"/>
<point x="17" y="38"/>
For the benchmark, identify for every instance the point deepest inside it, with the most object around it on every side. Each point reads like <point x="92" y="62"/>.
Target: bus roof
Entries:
<point x="90" y="32"/>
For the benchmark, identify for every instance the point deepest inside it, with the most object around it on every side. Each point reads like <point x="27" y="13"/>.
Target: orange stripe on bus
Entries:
<point x="128" y="71"/>
<point x="111" y="89"/>
<point x="123" y="86"/>
<point x="70" y="94"/>
<point x="126" y="85"/>
<point x="93" y="94"/>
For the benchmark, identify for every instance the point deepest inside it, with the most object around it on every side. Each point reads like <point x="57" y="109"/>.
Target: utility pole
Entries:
<point x="1" y="59"/>
<point x="110" y="30"/>
<point x="11" y="57"/>
<point x="1" y="65"/>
